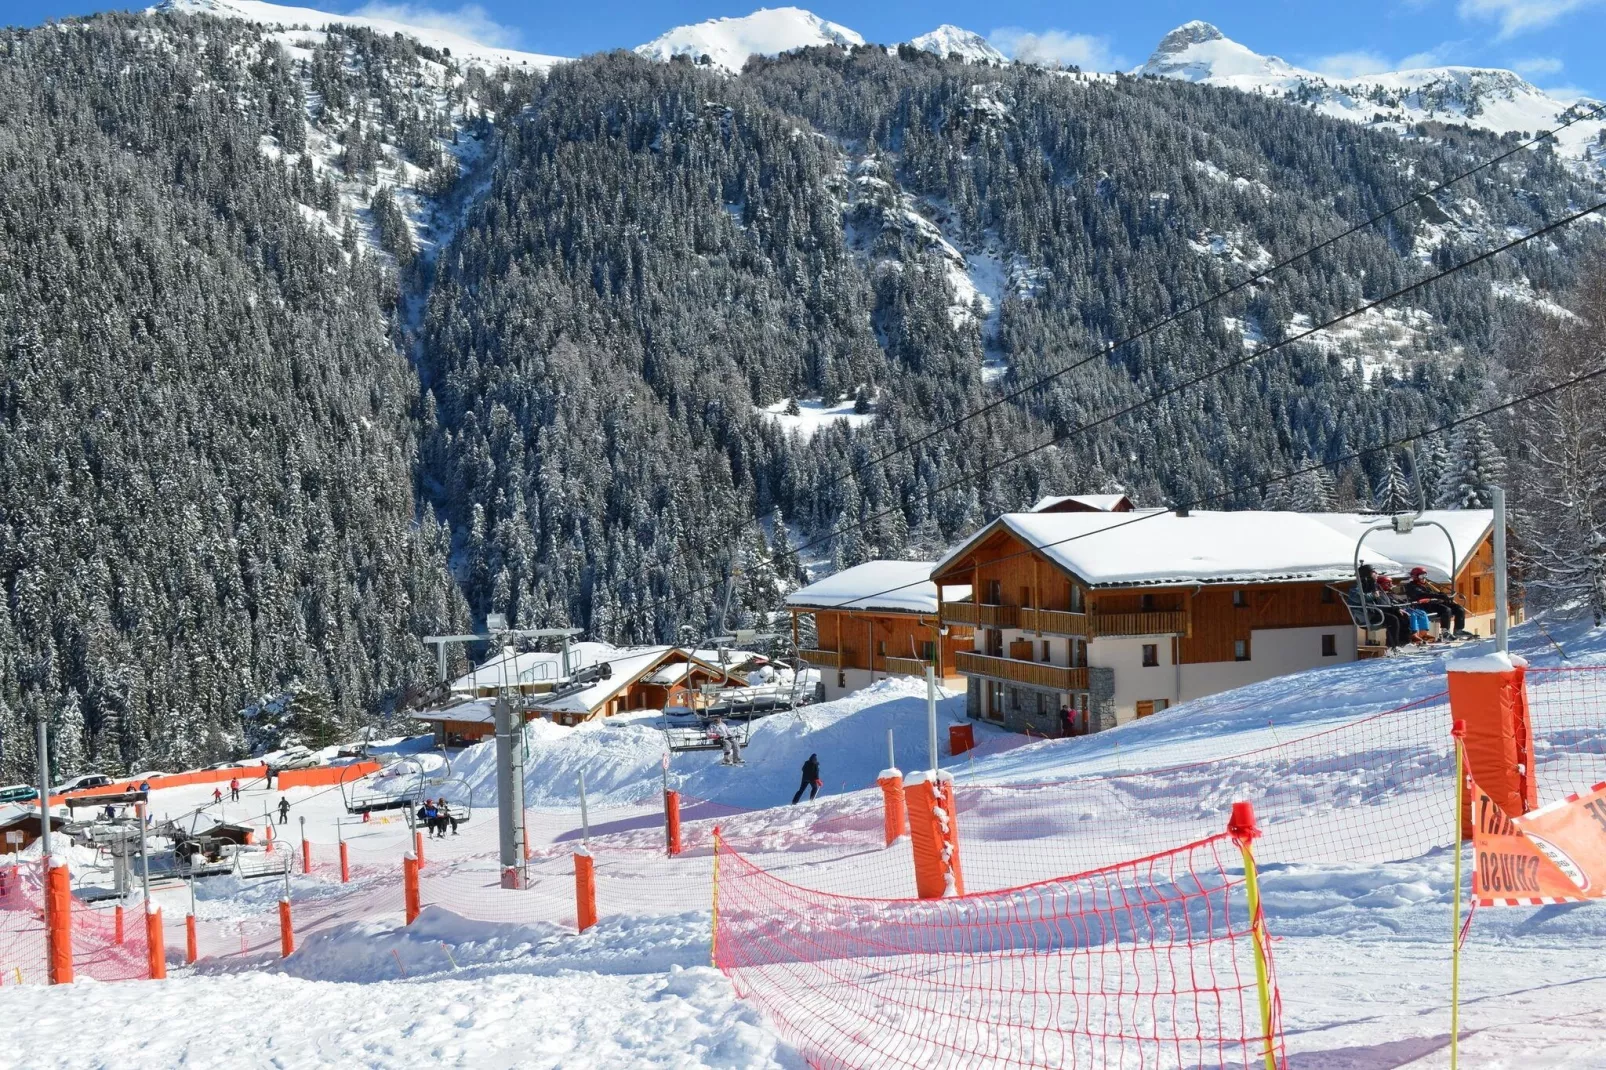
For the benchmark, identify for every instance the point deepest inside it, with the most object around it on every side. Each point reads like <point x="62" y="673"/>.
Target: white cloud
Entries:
<point x="1520" y="16"/>
<point x="470" y="21"/>
<point x="1056" y="48"/>
<point x="1437" y="56"/>
<point x="1351" y="64"/>
<point x="1537" y="66"/>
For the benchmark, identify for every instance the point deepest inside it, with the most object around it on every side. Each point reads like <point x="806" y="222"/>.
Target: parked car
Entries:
<point x="18" y="793"/>
<point x="79" y="783"/>
<point x="292" y="758"/>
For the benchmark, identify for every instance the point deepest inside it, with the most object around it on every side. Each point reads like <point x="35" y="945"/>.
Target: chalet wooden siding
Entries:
<point x="882" y="640"/>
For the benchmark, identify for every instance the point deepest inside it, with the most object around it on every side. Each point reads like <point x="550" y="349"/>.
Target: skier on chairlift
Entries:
<point x="722" y="732"/>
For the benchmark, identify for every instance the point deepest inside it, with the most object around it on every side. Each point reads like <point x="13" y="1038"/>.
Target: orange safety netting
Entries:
<point x="1146" y="963"/>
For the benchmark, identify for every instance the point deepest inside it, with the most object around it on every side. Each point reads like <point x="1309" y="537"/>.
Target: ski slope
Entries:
<point x="1361" y="946"/>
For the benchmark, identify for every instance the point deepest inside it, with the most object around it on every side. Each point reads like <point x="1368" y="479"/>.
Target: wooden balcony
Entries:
<point x="1173" y="622"/>
<point x="1054" y="622"/>
<point x="904" y="666"/>
<point x="824" y="659"/>
<point x="1033" y="673"/>
<point x="981" y="615"/>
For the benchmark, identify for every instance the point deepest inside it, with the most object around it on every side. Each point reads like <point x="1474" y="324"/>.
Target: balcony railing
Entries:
<point x="1054" y="621"/>
<point x="825" y="659"/>
<point x="905" y="666"/>
<point x="1034" y="673"/>
<point x="1172" y="622"/>
<point x="981" y="615"/>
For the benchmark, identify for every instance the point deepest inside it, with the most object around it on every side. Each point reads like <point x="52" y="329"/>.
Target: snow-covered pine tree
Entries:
<point x="1394" y="492"/>
<point x="1475" y="466"/>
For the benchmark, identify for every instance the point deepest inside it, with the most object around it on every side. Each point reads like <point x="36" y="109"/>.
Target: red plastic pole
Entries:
<point x="190" y="943"/>
<point x="672" y="820"/>
<point x="306" y="857"/>
<point x="58" y="938"/>
<point x="345" y="864"/>
<point x="117" y="925"/>
<point x="410" y="887"/>
<point x="585" y="890"/>
<point x="894" y="810"/>
<point x="418" y="848"/>
<point x="155" y="944"/>
<point x="287" y="936"/>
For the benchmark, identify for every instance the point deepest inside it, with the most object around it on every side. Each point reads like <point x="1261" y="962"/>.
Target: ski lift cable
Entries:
<point x="1196" y="380"/>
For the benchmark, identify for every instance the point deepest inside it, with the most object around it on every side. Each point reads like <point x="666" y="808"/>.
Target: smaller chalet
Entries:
<point x="20" y="826"/>
<point x="1083" y="503"/>
<point x="541" y="685"/>
<point x="876" y="620"/>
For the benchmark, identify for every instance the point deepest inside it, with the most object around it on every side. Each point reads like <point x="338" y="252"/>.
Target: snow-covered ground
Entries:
<point x="489" y="977"/>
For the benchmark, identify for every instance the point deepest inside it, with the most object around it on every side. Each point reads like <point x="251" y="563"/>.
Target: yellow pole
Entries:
<point x="713" y="942"/>
<point x="1244" y="830"/>
<point x="1455" y="918"/>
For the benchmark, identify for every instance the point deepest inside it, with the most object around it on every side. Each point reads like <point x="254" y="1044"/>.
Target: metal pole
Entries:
<point x="585" y="821"/>
<point x="510" y="791"/>
<point x="144" y="857"/>
<point x="931" y="714"/>
<point x="892" y="755"/>
<point x="1502" y="614"/>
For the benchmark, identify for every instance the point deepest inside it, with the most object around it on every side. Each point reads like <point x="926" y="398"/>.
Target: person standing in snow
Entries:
<point x="234" y="790"/>
<point x="217" y="795"/>
<point x="811" y="779"/>
<point x="284" y="810"/>
<point x="1067" y="722"/>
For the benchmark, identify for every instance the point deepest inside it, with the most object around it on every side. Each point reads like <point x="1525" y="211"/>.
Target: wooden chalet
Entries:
<point x="1083" y="503"/>
<point x="876" y="620"/>
<point x="1120" y="615"/>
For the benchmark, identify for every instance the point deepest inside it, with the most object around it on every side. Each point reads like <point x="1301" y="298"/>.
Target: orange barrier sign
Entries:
<point x="1553" y="855"/>
<point x="324" y="775"/>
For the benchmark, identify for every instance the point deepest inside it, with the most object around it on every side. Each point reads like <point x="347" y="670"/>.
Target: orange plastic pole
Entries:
<point x="306" y="857"/>
<point x="155" y="944"/>
<point x="672" y="821"/>
<point x="894" y="810"/>
<point x="58" y="938"/>
<point x="1490" y="694"/>
<point x="287" y="935"/>
<point x="117" y="925"/>
<point x="418" y="848"/>
<point x="191" y="951"/>
<point x="934" y="837"/>
<point x="950" y="832"/>
<point x="410" y="895"/>
<point x="585" y="890"/>
<point x="345" y="864"/>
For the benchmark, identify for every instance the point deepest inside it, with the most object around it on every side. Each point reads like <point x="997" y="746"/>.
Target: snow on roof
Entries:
<point x="1425" y="546"/>
<point x="898" y="586"/>
<point x="506" y="669"/>
<point x="627" y="666"/>
<point x="1103" y="503"/>
<point x="1161" y="548"/>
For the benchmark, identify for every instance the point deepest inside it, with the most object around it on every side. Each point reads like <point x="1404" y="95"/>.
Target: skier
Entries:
<point x="234" y="790"/>
<point x="811" y="779"/>
<point x="217" y="795"/>
<point x="1067" y="722"/>
<point x="447" y="818"/>
<point x="284" y="810"/>
<point x="1437" y="603"/>
<point x="720" y="731"/>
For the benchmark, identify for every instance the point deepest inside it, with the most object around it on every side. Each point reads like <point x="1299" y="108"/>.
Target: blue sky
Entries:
<point x="1556" y="43"/>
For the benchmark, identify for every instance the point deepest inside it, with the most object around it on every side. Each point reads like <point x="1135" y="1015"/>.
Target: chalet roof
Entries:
<point x="506" y="668"/>
<point x="1098" y="503"/>
<point x="628" y="667"/>
<point x="1425" y="546"/>
<point x="891" y="586"/>
<point x="1163" y="549"/>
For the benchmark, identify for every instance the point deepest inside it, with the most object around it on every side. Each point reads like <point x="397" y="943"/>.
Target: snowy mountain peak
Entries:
<point x="461" y="48"/>
<point x="947" y="40"/>
<point x="1198" y="52"/>
<point x="727" y="42"/>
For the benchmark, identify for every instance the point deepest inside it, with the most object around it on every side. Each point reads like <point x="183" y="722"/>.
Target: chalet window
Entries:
<point x="1042" y="704"/>
<point x="995" y="643"/>
<point x="841" y="678"/>
<point x="1026" y="597"/>
<point x="928" y="651"/>
<point x="1079" y="653"/>
<point x="1329" y="645"/>
<point x="1240" y="599"/>
<point x="1147" y="605"/>
<point x="1047" y="656"/>
<point x="1014" y="698"/>
<point x="1145" y="707"/>
<point x="995" y="700"/>
<point x="1161" y="704"/>
<point x="881" y="648"/>
<point x="995" y="593"/>
<point x="1074" y="598"/>
<point x="1477" y="586"/>
<point x="1151" y="655"/>
<point x="1240" y="650"/>
<point x="1327" y="593"/>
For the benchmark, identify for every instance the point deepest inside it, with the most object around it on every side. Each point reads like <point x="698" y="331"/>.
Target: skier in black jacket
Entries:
<point x="1438" y="603"/>
<point x="811" y="779"/>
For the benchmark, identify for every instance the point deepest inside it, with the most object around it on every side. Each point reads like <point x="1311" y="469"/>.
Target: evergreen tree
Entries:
<point x="1475" y="465"/>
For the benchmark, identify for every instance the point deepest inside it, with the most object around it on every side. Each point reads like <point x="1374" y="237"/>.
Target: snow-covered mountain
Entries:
<point x="768" y="31"/>
<point x="1492" y="99"/>
<point x="461" y="47"/>
<point x="947" y="40"/>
